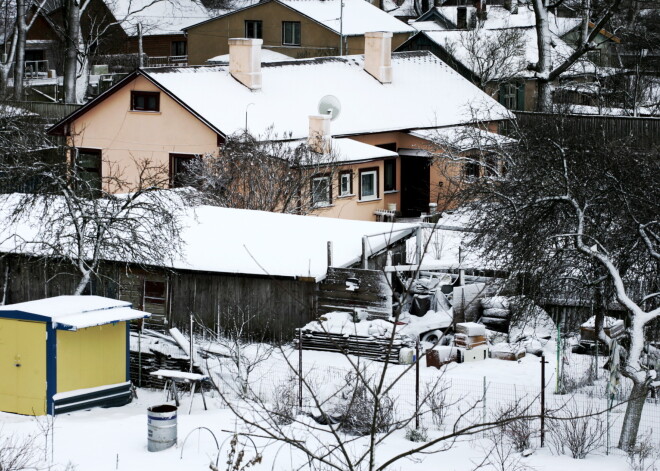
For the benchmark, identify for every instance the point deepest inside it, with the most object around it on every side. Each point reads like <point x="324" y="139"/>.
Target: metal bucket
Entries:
<point x="161" y="422"/>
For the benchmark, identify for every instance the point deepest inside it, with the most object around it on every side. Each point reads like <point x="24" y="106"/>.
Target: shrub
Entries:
<point x="577" y="431"/>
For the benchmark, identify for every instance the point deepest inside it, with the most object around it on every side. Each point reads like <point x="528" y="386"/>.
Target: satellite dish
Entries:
<point x="329" y="105"/>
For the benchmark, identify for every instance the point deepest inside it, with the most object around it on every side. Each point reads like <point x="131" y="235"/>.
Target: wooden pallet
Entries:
<point x="368" y="347"/>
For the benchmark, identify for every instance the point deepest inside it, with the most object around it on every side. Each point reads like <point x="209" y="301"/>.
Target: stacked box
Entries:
<point x="470" y="335"/>
<point x="440" y="356"/>
<point x="474" y="354"/>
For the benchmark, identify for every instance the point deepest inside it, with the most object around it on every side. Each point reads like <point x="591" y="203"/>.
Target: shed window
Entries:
<point x="145" y="101"/>
<point x="179" y="48"/>
<point x="291" y="33"/>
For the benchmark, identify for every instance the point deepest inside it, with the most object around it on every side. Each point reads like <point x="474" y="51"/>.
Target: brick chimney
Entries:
<point x="378" y="55"/>
<point x="245" y="61"/>
<point x="319" y="139"/>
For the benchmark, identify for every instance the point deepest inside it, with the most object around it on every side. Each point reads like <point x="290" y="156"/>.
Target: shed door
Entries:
<point x="22" y="367"/>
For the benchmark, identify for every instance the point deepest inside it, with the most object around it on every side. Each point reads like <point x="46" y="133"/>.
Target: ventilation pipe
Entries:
<point x="378" y="55"/>
<point x="245" y="61"/>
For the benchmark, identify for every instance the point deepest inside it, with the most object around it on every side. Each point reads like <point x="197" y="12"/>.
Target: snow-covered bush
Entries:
<point x="284" y="403"/>
<point x="644" y="455"/>
<point x="358" y="407"/>
<point x="575" y="430"/>
<point x="516" y="429"/>
<point x="437" y="402"/>
<point x="417" y="435"/>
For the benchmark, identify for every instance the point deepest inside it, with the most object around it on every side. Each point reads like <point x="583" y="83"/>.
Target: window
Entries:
<point x="291" y="33"/>
<point x="253" y="29"/>
<point x="88" y="168"/>
<point x="178" y="167"/>
<point x="179" y="48"/>
<point x="321" y="191"/>
<point x="368" y="184"/>
<point x="389" y="177"/>
<point x="512" y="95"/>
<point x="471" y="170"/>
<point x="145" y="101"/>
<point x="345" y="183"/>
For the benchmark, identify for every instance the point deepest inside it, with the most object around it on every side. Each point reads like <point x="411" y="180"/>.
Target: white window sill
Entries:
<point x="370" y="200"/>
<point x="391" y="192"/>
<point x="346" y="196"/>
<point x="144" y="112"/>
<point x="323" y="205"/>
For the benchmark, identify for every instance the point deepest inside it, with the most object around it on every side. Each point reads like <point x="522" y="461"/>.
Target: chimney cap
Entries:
<point x="378" y="34"/>
<point x="245" y="42"/>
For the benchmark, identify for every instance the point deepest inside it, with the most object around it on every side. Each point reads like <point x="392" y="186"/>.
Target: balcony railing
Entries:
<point x="36" y="69"/>
<point x="179" y="61"/>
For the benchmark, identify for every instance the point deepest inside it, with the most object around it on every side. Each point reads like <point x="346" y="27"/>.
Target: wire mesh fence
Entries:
<point x="440" y="402"/>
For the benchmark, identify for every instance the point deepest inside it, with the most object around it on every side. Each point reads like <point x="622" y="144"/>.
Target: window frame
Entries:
<point x="392" y="164"/>
<point x="172" y="173"/>
<point x="293" y="39"/>
<point x="98" y="169"/>
<point x="471" y="170"/>
<point x="138" y="93"/>
<point x="349" y="175"/>
<point x="373" y="171"/>
<point x="328" y="201"/>
<point x="259" y="28"/>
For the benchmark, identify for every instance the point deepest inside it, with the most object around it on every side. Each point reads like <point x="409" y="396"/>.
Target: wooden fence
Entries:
<point x="645" y="131"/>
<point x="50" y="111"/>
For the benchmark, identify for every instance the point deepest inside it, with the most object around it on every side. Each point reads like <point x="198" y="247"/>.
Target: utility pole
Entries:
<point x="341" y="28"/>
<point x="140" y="50"/>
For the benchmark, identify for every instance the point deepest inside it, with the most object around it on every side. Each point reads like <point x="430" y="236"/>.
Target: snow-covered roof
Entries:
<point x="463" y="137"/>
<point x="76" y="312"/>
<point x="358" y="16"/>
<point x="240" y="241"/>
<point x="227" y="240"/>
<point x="157" y="17"/>
<point x="291" y="92"/>
<point x="459" y="43"/>
<point x="267" y="55"/>
<point x="350" y="150"/>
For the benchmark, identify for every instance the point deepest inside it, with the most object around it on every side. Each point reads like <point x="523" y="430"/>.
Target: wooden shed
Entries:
<point x="65" y="353"/>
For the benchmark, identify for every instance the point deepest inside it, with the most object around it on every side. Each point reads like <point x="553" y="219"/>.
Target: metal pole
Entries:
<point x="365" y="257"/>
<point x="557" y="371"/>
<point x="417" y="385"/>
<point x="542" y="400"/>
<point x="484" y="402"/>
<point x="329" y="253"/>
<point x="300" y="373"/>
<point x="341" y="28"/>
<point x="141" y="322"/>
<point x="191" y="343"/>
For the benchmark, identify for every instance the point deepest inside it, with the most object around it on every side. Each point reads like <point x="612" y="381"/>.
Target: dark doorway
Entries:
<point x="415" y="185"/>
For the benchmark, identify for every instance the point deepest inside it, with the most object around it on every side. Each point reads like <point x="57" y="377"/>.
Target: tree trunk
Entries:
<point x="633" y="415"/>
<point x="19" y="66"/>
<point x="544" y="99"/>
<point x="82" y="284"/>
<point x="71" y="52"/>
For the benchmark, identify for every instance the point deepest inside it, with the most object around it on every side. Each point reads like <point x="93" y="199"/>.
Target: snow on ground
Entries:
<point x="116" y="439"/>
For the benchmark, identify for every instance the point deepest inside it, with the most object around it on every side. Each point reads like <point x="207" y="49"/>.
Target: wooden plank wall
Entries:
<point x="373" y="293"/>
<point x="266" y="307"/>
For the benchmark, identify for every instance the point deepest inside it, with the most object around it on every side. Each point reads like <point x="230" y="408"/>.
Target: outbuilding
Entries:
<point x="65" y="353"/>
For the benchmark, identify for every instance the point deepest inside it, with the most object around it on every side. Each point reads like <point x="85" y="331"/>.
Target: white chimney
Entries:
<point x="319" y="139"/>
<point x="378" y="55"/>
<point x="245" y="61"/>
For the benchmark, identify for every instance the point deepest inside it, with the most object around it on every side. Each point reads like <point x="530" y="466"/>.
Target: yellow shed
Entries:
<point x="65" y="353"/>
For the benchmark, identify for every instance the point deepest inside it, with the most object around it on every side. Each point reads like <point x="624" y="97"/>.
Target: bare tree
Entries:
<point x="73" y="215"/>
<point x="581" y="213"/>
<point x="263" y="174"/>
<point x="494" y="56"/>
<point x="546" y="69"/>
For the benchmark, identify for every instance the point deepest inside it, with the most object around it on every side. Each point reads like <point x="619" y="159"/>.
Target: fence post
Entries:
<point x="543" y="362"/>
<point x="484" y="404"/>
<point x="417" y="384"/>
<point x="300" y="381"/>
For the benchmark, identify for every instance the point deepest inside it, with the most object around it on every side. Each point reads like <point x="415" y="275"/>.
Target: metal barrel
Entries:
<point x="161" y="422"/>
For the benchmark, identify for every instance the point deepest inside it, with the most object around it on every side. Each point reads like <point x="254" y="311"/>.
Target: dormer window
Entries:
<point x="145" y="101"/>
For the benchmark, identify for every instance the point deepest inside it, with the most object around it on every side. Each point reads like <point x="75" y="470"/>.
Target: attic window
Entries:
<point x="253" y="29"/>
<point x="145" y="101"/>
